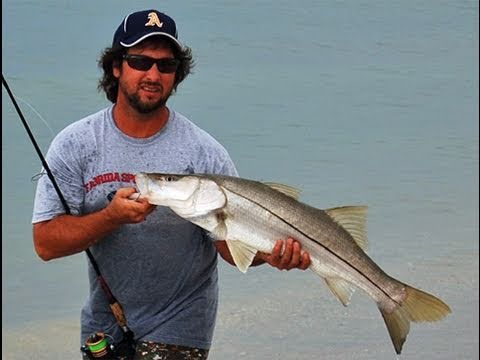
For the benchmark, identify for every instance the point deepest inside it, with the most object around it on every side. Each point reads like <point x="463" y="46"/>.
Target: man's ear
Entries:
<point x="116" y="68"/>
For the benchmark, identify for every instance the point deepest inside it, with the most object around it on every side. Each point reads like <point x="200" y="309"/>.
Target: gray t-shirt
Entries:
<point x="162" y="271"/>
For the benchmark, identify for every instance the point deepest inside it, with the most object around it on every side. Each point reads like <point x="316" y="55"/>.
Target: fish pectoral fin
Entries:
<point x="342" y="289"/>
<point x="285" y="189"/>
<point x="242" y="254"/>
<point x="353" y="219"/>
<point x="221" y="231"/>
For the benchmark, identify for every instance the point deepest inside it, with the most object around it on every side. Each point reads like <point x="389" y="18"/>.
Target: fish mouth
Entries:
<point x="141" y="180"/>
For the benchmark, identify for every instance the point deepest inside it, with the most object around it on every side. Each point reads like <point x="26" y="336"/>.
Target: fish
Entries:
<point x="252" y="215"/>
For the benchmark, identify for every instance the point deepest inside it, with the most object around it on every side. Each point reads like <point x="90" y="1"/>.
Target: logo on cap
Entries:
<point x="153" y="20"/>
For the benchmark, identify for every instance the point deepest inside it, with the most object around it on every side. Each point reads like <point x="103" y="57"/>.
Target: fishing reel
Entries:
<point x="98" y="346"/>
<point x="101" y="346"/>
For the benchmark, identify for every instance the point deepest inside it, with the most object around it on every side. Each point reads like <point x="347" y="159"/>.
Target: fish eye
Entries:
<point x="170" y="178"/>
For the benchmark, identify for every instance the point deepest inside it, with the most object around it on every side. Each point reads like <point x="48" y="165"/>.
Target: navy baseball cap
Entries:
<point x="140" y="25"/>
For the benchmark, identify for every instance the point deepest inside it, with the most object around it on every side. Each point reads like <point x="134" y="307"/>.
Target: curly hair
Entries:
<point x="111" y="56"/>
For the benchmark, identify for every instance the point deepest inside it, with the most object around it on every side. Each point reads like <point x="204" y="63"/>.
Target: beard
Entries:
<point x="146" y="107"/>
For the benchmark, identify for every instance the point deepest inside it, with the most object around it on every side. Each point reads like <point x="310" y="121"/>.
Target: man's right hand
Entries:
<point x="125" y="210"/>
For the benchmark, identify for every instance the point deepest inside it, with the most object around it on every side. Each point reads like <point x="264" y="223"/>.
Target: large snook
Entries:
<point x="251" y="216"/>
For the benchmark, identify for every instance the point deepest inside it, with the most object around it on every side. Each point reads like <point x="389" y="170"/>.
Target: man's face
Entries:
<point x="145" y="90"/>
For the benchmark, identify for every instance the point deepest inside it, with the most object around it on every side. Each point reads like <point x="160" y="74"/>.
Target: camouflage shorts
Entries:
<point x="156" y="351"/>
<point x="147" y="350"/>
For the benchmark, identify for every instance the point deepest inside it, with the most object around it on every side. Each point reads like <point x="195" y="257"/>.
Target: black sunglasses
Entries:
<point x="144" y="63"/>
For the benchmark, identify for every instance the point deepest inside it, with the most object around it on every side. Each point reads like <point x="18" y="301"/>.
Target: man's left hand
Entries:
<point x="287" y="255"/>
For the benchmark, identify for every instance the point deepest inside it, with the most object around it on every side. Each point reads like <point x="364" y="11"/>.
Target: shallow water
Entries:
<point x="353" y="102"/>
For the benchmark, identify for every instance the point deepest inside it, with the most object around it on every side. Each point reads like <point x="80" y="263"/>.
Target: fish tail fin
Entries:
<point x="417" y="306"/>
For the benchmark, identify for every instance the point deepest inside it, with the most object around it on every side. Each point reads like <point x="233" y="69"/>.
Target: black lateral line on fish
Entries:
<point x="315" y="241"/>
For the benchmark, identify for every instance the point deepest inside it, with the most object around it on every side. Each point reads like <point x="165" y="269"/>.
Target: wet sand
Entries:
<point x="278" y="315"/>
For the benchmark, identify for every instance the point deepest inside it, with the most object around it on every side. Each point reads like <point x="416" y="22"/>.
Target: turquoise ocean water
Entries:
<point x="354" y="102"/>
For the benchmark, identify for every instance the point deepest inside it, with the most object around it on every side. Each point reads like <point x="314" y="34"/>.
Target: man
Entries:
<point x="162" y="269"/>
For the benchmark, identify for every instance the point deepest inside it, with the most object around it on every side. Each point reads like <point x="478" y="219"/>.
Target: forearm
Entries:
<point x="67" y="234"/>
<point x="259" y="259"/>
<point x="222" y="248"/>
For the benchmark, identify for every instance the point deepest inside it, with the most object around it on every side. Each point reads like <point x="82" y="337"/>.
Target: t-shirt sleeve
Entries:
<point x="228" y="167"/>
<point x="63" y="159"/>
<point x="218" y="161"/>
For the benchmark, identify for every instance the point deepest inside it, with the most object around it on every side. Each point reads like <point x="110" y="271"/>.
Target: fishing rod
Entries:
<point x="115" y="306"/>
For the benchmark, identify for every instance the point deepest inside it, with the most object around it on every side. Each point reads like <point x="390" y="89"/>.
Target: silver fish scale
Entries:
<point x="259" y="215"/>
<point x="256" y="215"/>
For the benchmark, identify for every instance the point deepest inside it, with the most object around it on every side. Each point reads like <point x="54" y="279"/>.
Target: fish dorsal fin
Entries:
<point x="242" y="254"/>
<point x="342" y="289"/>
<point x="353" y="219"/>
<point x="284" y="189"/>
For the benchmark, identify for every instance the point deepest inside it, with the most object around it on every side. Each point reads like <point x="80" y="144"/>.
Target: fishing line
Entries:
<point x="114" y="304"/>
<point x="37" y="113"/>
<point x="52" y="133"/>
<point x="35" y="145"/>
